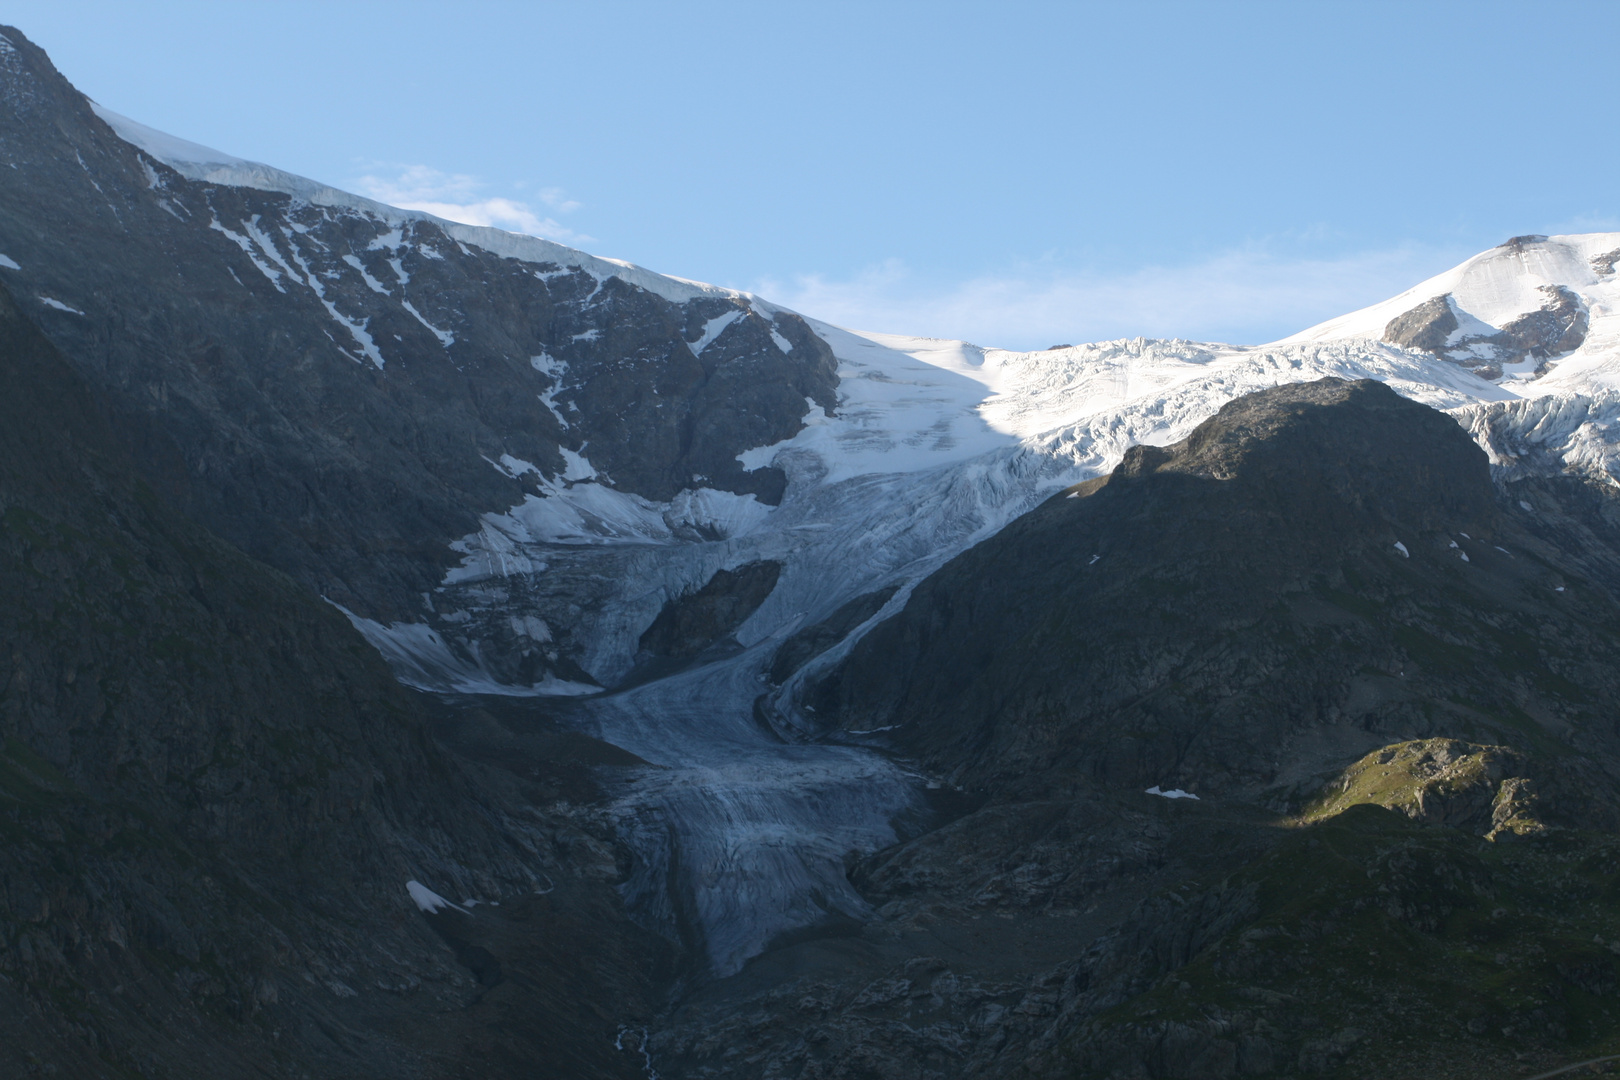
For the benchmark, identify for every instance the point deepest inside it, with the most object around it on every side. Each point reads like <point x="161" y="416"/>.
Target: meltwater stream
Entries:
<point x="739" y="837"/>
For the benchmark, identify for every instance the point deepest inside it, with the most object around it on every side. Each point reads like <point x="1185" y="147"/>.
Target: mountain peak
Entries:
<point x="1513" y="313"/>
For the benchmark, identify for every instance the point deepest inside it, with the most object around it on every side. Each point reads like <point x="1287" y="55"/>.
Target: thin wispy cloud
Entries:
<point x="460" y="197"/>
<point x="1247" y="296"/>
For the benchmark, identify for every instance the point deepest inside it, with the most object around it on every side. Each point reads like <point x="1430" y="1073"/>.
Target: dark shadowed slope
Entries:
<point x="1316" y="570"/>
<point x="212" y="795"/>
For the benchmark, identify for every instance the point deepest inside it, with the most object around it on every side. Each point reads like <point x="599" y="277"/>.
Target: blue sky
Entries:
<point x="1016" y="174"/>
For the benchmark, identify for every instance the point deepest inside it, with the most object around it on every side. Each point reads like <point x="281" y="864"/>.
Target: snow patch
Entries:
<point x="365" y="275"/>
<point x="1400" y="547"/>
<point x="357" y="330"/>
<point x="446" y="338"/>
<point x="52" y="302"/>
<point x="247" y="247"/>
<point x="427" y="900"/>
<point x="267" y="245"/>
<point x="547" y="364"/>
<point x="515" y="466"/>
<point x="1173" y="793"/>
<point x="576" y="466"/>
<point x="9" y="263"/>
<point x="713" y="328"/>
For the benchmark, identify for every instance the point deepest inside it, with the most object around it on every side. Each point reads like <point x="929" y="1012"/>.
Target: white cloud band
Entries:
<point x="1245" y="296"/>
<point x="456" y="197"/>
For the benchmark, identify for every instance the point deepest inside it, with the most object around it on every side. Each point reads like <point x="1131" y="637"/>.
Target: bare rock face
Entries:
<point x="689" y="624"/>
<point x="343" y="391"/>
<point x="1559" y="326"/>
<point x="1426" y="327"/>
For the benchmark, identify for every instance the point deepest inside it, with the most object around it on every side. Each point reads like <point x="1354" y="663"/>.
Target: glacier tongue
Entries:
<point x="754" y="832"/>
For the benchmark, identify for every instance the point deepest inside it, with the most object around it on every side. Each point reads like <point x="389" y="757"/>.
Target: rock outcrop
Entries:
<point x="1557" y="327"/>
<point x="1319" y="616"/>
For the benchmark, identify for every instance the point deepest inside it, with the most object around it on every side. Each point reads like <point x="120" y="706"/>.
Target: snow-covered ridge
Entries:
<point x="1495" y="286"/>
<point x="197" y="162"/>
<point x="1530" y="304"/>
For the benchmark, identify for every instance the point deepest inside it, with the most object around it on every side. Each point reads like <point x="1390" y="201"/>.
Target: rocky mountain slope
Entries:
<point x="1318" y="558"/>
<point x="343" y="388"/>
<point x="218" y="810"/>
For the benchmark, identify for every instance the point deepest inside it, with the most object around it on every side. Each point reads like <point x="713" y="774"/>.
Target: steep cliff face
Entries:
<point x="213" y="795"/>
<point x="341" y="388"/>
